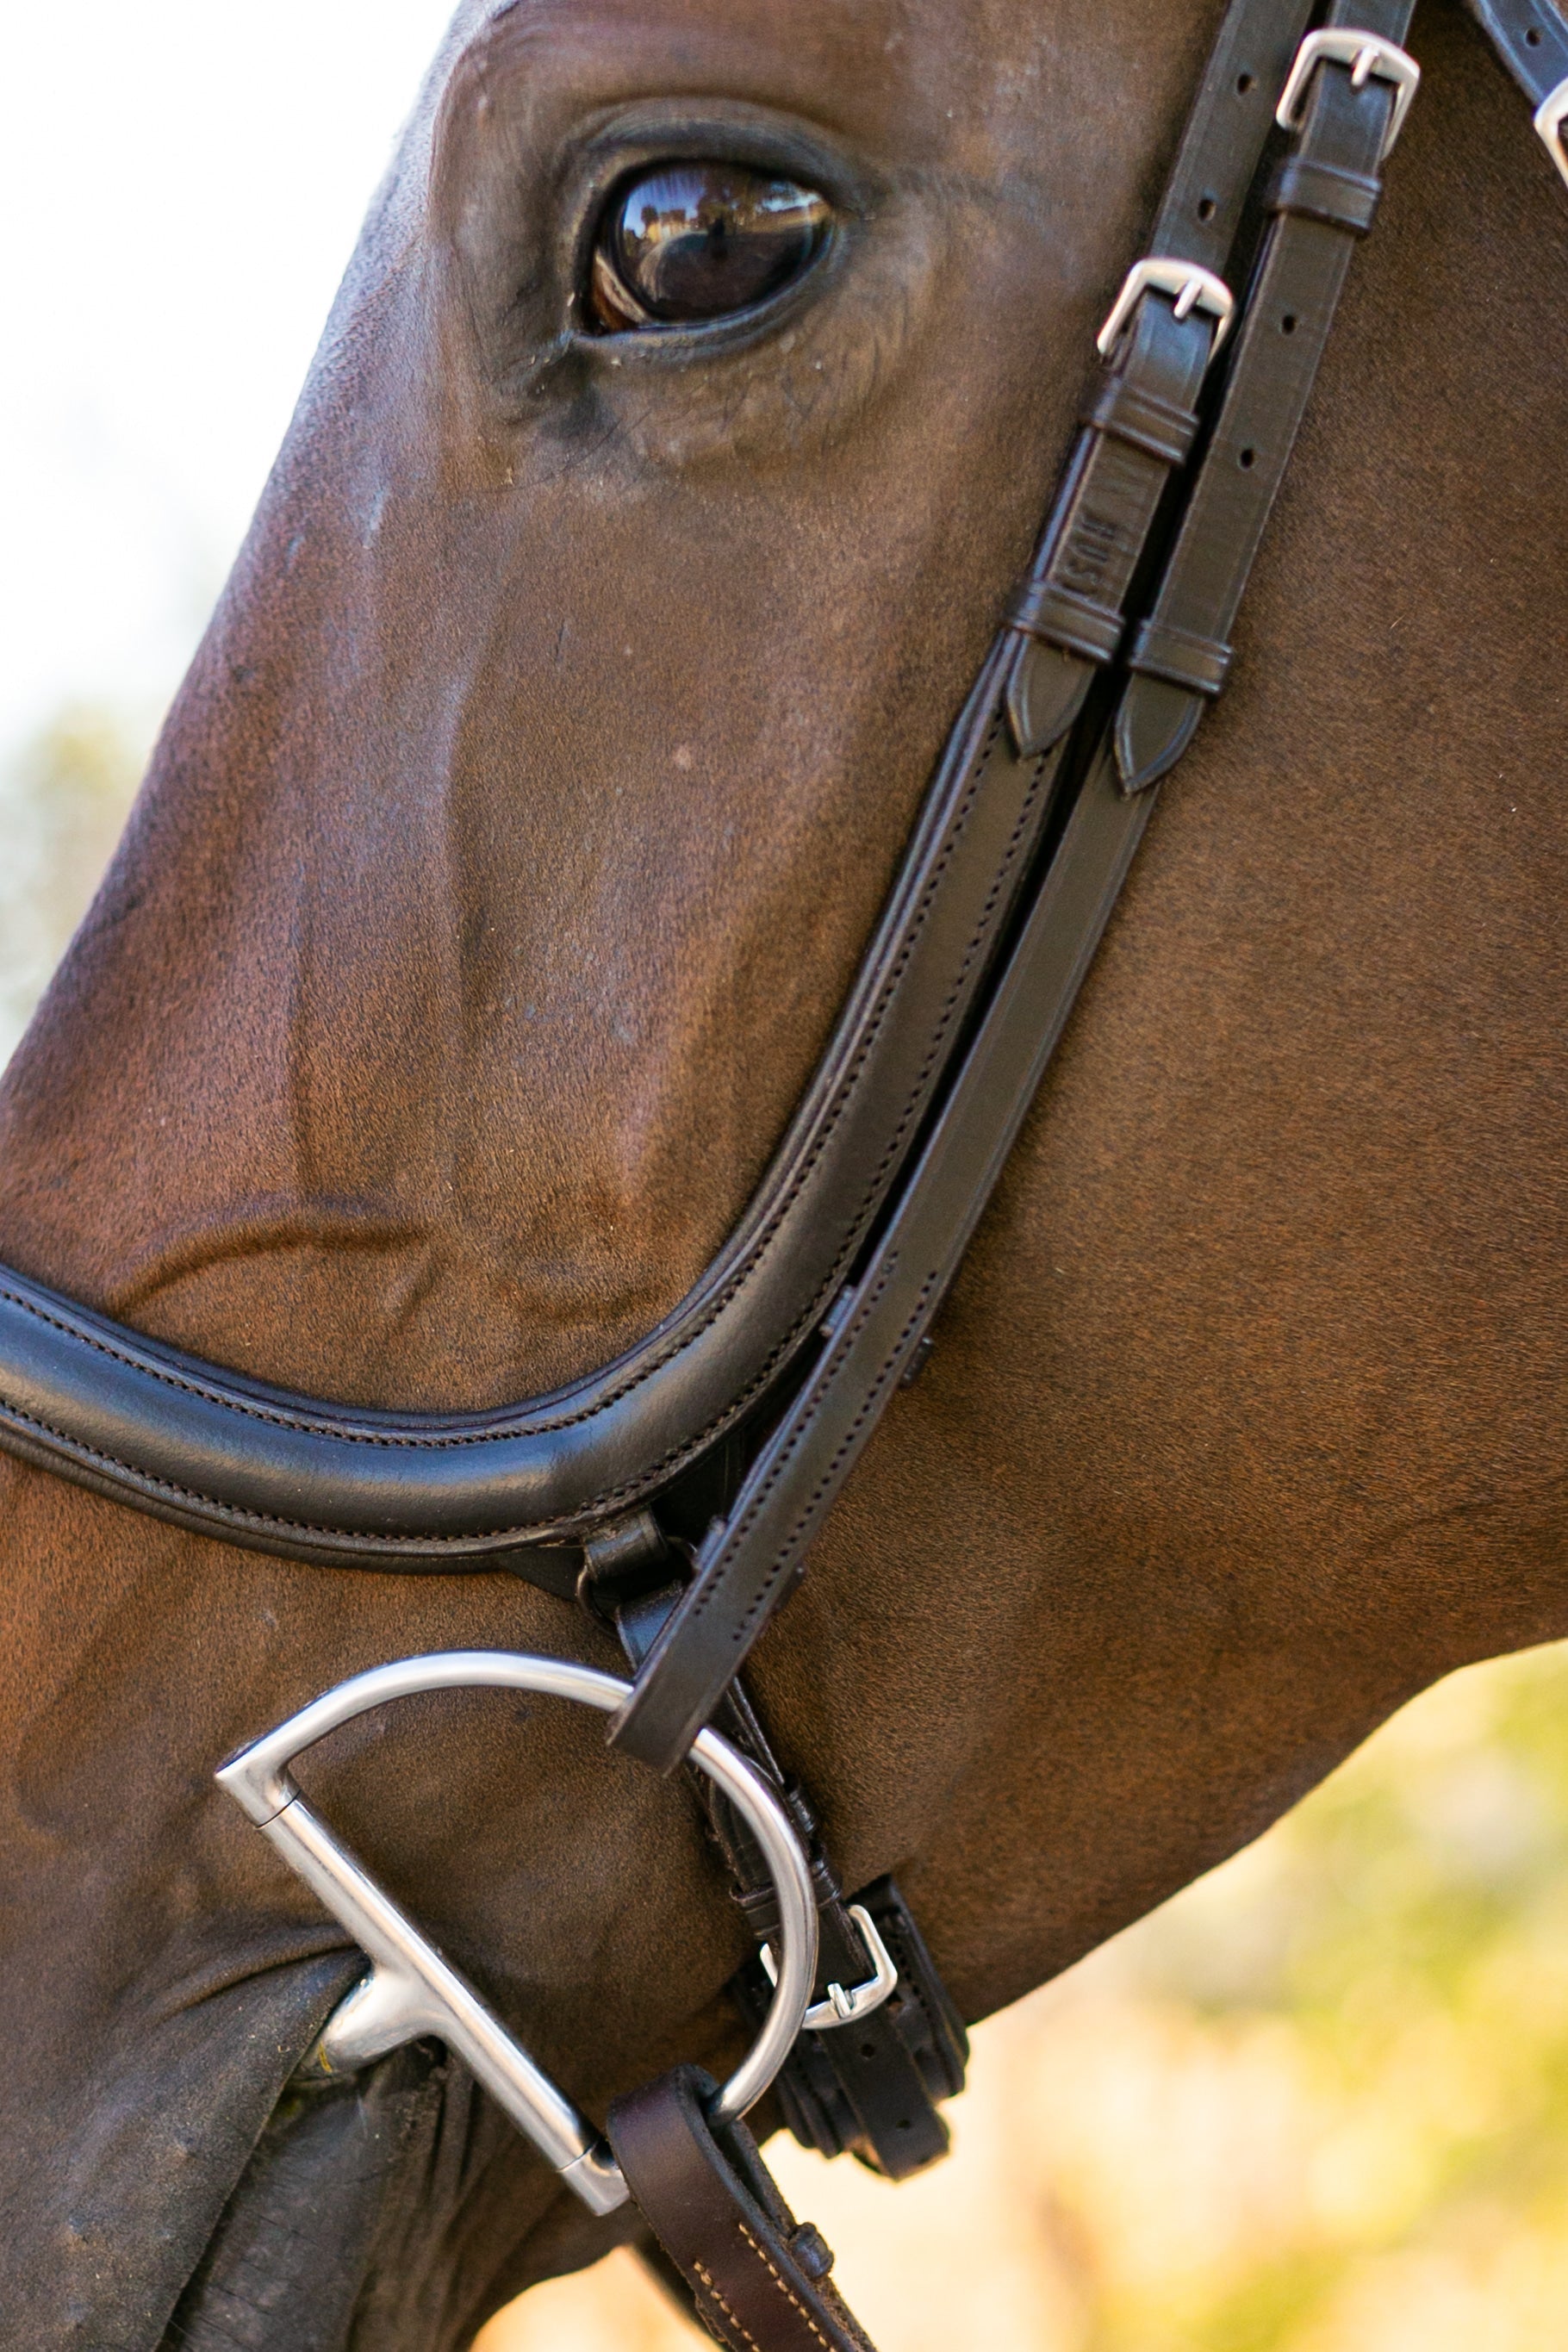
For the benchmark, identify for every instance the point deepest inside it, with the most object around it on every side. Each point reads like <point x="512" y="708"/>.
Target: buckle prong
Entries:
<point x="1193" y="289"/>
<point x="1368" y="55"/>
<point x="843" y="2007"/>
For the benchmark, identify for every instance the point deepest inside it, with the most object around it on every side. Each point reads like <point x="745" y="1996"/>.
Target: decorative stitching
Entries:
<point x="913" y="929"/>
<point x="736" y="2322"/>
<point x="781" y="2283"/>
<point x="707" y="1592"/>
<point x="375" y="1547"/>
<point x="908" y="936"/>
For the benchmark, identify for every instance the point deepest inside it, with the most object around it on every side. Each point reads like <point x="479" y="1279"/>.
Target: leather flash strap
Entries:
<point x="758" y="2278"/>
<point x="873" y="2089"/>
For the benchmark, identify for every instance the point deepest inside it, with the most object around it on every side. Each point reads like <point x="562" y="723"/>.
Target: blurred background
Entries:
<point x="1319" y="2103"/>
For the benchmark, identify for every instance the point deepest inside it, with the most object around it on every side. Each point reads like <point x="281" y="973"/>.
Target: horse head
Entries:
<point x="491" y="898"/>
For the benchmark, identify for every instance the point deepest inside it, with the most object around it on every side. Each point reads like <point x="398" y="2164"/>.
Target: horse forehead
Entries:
<point x="894" y="57"/>
<point x="839" y="29"/>
<point x="971" y="86"/>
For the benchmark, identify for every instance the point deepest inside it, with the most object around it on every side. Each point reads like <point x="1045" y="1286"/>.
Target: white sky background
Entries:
<point x="181" y="184"/>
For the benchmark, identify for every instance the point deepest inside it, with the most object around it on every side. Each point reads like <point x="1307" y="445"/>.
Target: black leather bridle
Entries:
<point x="676" y="1492"/>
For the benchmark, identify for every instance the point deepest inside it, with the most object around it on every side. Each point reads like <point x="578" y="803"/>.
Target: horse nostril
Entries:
<point x="685" y="244"/>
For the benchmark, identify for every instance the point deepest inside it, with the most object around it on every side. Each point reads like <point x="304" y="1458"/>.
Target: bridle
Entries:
<point x="675" y="1493"/>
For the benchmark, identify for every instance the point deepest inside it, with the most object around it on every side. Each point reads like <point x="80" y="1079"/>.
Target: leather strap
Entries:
<point x="1323" y="200"/>
<point x="1139" y="414"/>
<point x="841" y="1261"/>
<point x="835" y="1273"/>
<point x="759" y="2278"/>
<point x="874" y="2088"/>
<point x="750" y="1560"/>
<point x="238" y="1459"/>
<point x="832" y="1277"/>
<point x="1532" y="40"/>
<point x="1139" y="425"/>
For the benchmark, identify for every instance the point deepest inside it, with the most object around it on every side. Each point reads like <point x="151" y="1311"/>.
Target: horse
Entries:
<point x="496" y="883"/>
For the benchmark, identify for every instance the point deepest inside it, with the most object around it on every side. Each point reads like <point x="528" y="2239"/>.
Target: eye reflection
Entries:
<point x="688" y="242"/>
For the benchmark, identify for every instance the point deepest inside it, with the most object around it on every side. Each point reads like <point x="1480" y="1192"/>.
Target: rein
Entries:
<point x="675" y="1493"/>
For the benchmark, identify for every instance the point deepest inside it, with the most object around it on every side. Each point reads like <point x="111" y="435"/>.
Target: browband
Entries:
<point x="742" y="1413"/>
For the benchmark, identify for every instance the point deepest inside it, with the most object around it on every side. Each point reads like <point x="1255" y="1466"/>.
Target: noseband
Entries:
<point x="676" y="1492"/>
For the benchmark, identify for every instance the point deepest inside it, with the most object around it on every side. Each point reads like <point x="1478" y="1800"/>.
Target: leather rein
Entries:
<point x="676" y="1492"/>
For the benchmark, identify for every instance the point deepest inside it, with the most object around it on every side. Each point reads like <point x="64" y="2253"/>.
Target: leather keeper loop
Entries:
<point x="1200" y="663"/>
<point x="1117" y="406"/>
<point x="1040" y="609"/>
<point x="1323" y="192"/>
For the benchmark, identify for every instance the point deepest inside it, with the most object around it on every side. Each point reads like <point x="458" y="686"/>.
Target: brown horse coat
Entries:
<point x="501" y="867"/>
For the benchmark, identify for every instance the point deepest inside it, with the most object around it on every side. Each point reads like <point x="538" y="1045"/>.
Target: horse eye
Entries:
<point x="688" y="242"/>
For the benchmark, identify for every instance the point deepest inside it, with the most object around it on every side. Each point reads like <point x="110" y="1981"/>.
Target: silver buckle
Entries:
<point x="413" y="1991"/>
<point x="1195" y="289"/>
<point x="843" y="2007"/>
<point x="1550" y="117"/>
<point x="1367" y="55"/>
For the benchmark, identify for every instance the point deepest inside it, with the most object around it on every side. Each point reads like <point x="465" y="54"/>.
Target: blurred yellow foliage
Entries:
<point x="62" y="805"/>
<point x="1319" y="2103"/>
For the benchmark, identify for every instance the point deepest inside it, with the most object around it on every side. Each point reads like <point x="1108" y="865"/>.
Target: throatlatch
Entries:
<point x="675" y="1493"/>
